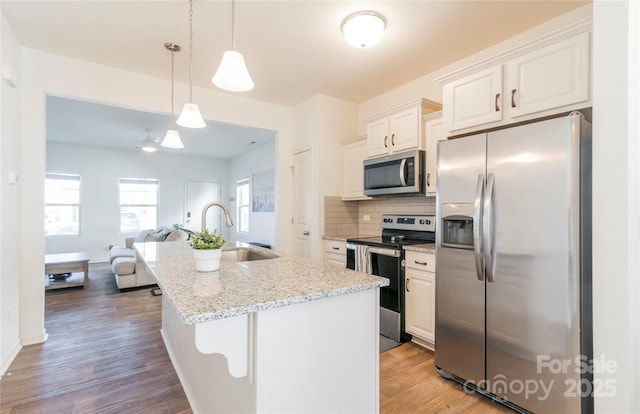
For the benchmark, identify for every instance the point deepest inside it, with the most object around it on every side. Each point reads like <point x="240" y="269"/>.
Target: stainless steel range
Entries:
<point x="384" y="256"/>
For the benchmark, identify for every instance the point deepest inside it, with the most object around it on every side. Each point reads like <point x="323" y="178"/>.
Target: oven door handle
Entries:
<point x="385" y="252"/>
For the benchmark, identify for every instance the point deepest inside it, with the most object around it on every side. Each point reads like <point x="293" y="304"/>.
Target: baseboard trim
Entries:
<point x="35" y="339"/>
<point x="423" y="343"/>
<point x="12" y="355"/>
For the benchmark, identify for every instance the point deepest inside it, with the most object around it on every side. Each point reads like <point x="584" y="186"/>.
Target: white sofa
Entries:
<point x="129" y="268"/>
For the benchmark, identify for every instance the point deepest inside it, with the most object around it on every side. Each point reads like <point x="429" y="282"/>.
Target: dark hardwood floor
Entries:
<point x="105" y="355"/>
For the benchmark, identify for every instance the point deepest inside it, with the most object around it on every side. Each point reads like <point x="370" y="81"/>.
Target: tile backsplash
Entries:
<point x="346" y="218"/>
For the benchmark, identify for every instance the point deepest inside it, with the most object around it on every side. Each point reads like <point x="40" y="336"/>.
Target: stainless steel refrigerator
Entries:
<point x="513" y="264"/>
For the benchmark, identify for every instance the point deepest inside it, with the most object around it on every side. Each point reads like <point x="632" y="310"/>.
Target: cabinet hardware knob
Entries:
<point x="428" y="179"/>
<point x="385" y="141"/>
<point x="513" y="101"/>
<point x="406" y="286"/>
<point x="305" y="233"/>
<point x="335" y="248"/>
<point x="420" y="263"/>
<point x="393" y="138"/>
<point x="497" y="107"/>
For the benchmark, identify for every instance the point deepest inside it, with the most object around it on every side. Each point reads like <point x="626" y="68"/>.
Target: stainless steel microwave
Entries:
<point x="399" y="174"/>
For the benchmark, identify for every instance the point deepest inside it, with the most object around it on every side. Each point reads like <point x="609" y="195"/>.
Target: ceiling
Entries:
<point x="293" y="49"/>
<point x="88" y="123"/>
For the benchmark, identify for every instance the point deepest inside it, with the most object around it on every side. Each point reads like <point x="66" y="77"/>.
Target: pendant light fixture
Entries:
<point x="232" y="74"/>
<point x="172" y="138"/>
<point x="364" y="28"/>
<point x="190" y="116"/>
<point x="149" y="144"/>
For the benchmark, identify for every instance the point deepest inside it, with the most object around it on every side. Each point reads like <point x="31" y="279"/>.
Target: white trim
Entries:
<point x="12" y="355"/>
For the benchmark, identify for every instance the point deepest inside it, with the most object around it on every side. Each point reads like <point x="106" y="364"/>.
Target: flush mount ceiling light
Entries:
<point x="364" y="28"/>
<point x="149" y="144"/>
<point x="190" y="116"/>
<point x="172" y="139"/>
<point x="232" y="74"/>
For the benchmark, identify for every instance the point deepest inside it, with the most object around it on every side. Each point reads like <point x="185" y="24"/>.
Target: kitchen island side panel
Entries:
<point x="315" y="357"/>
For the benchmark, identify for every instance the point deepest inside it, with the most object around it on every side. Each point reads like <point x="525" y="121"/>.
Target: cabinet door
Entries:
<point x="405" y="129"/>
<point x="354" y="155"/>
<point x="378" y="140"/>
<point x="555" y="76"/>
<point x="473" y="100"/>
<point x="434" y="132"/>
<point x="420" y="304"/>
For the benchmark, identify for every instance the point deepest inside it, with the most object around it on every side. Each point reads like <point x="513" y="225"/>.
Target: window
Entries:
<point x="138" y="204"/>
<point x="242" y="202"/>
<point x="62" y="204"/>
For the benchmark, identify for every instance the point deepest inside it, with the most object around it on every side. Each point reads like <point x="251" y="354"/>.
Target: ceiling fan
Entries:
<point x="149" y="144"/>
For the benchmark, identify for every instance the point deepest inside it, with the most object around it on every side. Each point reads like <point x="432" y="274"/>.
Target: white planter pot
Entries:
<point x="207" y="260"/>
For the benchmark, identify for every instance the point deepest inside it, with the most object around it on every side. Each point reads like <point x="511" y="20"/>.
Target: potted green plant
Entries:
<point x="207" y="250"/>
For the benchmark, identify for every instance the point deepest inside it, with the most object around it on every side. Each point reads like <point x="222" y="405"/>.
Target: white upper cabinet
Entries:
<point x="434" y="131"/>
<point x="543" y="78"/>
<point x="553" y="77"/>
<point x="354" y="155"/>
<point x="473" y="100"/>
<point x="399" y="129"/>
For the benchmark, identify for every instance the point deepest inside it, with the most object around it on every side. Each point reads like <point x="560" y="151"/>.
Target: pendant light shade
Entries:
<point x="172" y="139"/>
<point x="232" y="75"/>
<point x="363" y="29"/>
<point x="149" y="144"/>
<point x="190" y="116"/>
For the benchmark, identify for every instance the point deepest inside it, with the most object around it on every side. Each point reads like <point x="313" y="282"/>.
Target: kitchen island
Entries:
<point x="280" y="334"/>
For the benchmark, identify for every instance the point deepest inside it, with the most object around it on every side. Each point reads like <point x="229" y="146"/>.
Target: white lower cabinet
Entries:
<point x="420" y="297"/>
<point x="335" y="252"/>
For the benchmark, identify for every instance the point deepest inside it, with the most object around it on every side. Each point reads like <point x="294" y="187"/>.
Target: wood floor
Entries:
<point x="105" y="355"/>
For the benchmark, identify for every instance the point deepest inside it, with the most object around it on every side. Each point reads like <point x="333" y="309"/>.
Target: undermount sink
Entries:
<point x="244" y="255"/>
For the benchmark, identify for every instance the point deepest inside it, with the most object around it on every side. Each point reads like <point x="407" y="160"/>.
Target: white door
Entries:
<point x="199" y="194"/>
<point x="302" y="204"/>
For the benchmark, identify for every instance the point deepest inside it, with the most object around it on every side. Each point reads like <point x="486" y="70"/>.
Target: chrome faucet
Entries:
<point x="222" y="206"/>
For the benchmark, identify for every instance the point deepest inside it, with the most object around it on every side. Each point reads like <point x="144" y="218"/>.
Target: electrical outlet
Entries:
<point x="366" y="217"/>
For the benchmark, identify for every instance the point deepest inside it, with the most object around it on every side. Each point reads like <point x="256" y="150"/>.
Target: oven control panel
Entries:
<point x="409" y="222"/>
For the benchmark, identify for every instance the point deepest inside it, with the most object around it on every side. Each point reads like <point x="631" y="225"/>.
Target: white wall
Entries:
<point x="100" y="169"/>
<point x="9" y="196"/>
<point x="616" y="269"/>
<point x="46" y="73"/>
<point x="321" y="123"/>
<point x="262" y="226"/>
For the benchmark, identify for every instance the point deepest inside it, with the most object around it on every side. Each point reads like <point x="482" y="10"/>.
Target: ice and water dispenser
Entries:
<point x="457" y="225"/>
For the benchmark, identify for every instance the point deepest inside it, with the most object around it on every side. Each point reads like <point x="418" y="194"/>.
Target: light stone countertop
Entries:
<point x="239" y="288"/>
<point x="421" y="248"/>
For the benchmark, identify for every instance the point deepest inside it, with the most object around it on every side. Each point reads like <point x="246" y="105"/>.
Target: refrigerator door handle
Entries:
<point x="477" y="228"/>
<point x="487" y="227"/>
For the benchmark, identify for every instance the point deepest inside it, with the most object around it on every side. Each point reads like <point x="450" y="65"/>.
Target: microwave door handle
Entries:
<point x="403" y="180"/>
<point x="477" y="228"/>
